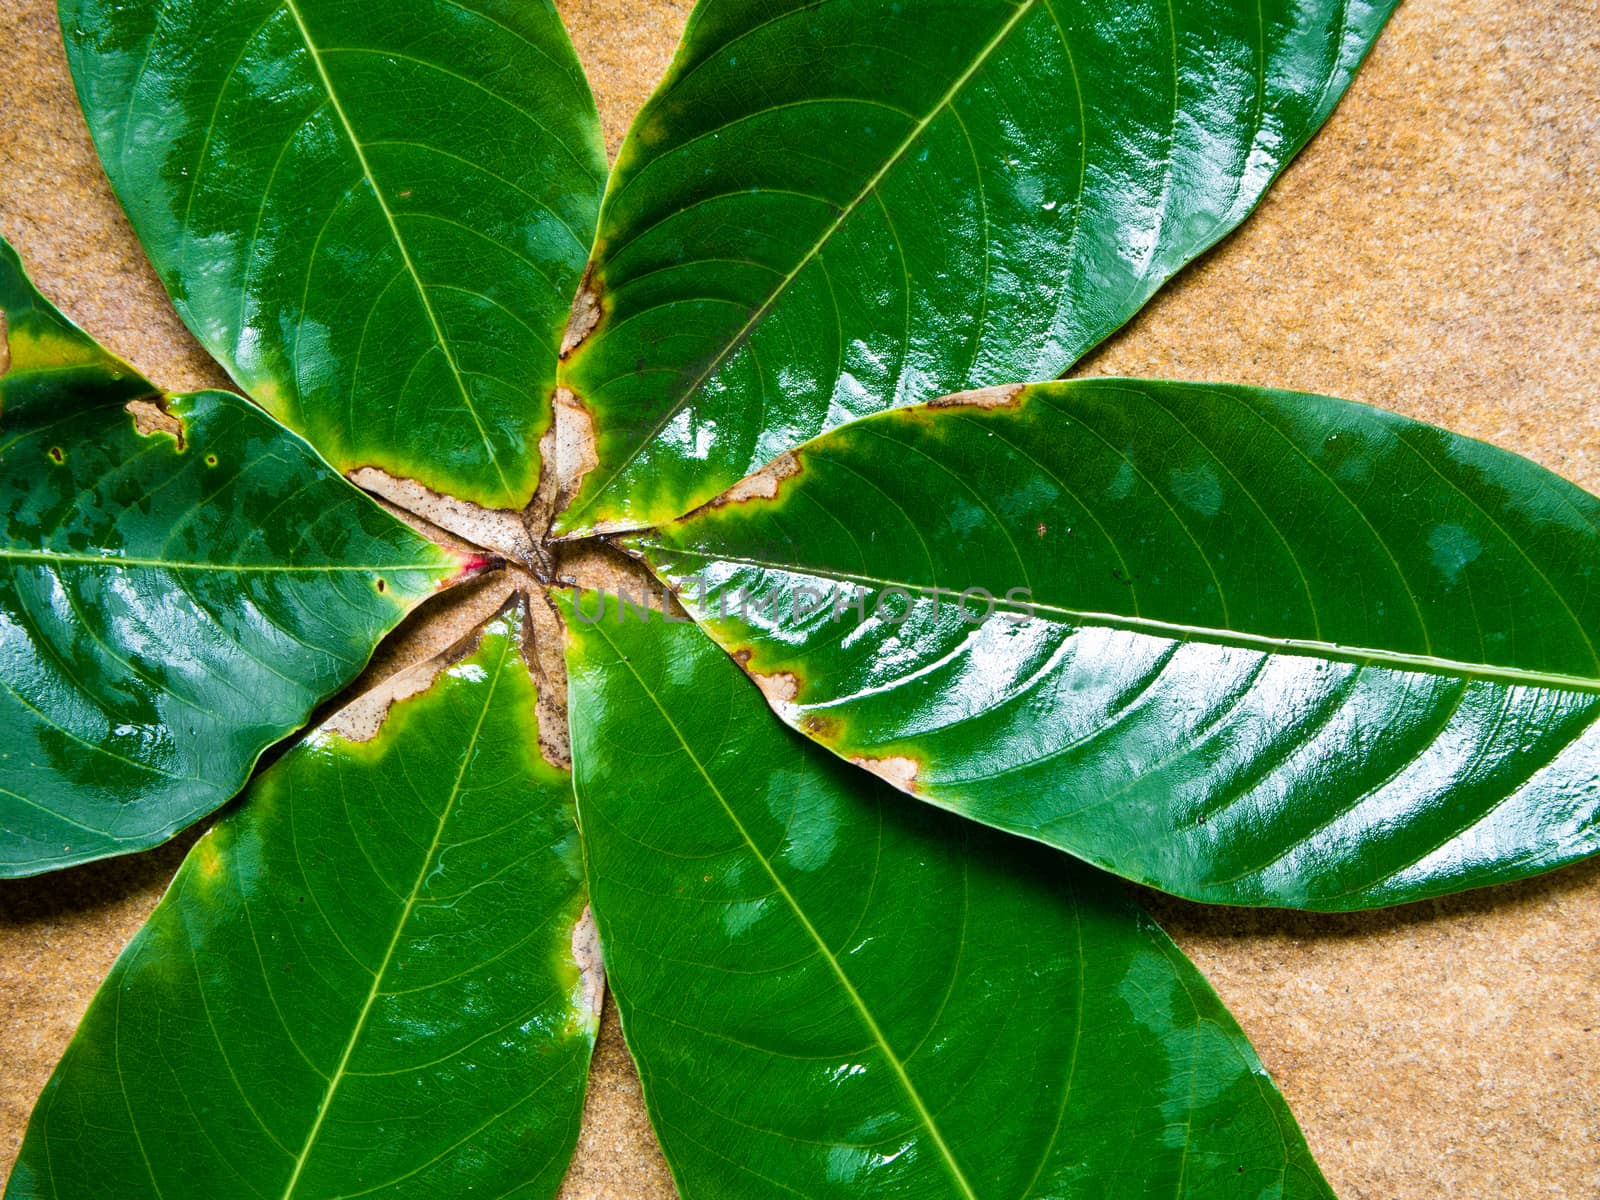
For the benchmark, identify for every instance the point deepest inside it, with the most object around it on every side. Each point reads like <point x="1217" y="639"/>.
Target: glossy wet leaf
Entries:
<point x="167" y="610"/>
<point x="1282" y="649"/>
<point x="373" y="215"/>
<point x="833" y="992"/>
<point x="829" y="209"/>
<point x="361" y="983"/>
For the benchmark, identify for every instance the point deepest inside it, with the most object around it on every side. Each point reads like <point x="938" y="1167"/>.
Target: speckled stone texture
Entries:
<point x="1434" y="251"/>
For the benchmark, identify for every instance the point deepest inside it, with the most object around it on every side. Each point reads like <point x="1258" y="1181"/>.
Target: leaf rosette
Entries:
<point x="799" y="346"/>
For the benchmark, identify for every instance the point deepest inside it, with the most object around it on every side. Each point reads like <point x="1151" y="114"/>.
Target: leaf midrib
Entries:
<point x="805" y="260"/>
<point x="958" y="1177"/>
<point x="359" y="149"/>
<point x="1175" y="631"/>
<point x="404" y="919"/>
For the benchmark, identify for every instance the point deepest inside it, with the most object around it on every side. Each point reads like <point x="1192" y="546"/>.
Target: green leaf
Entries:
<point x="178" y="590"/>
<point x="374" y="216"/>
<point x="362" y="982"/>
<point x="45" y="357"/>
<point x="1281" y="649"/>
<point x="831" y="992"/>
<point x="833" y="208"/>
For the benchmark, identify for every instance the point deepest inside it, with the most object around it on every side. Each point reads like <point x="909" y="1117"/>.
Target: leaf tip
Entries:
<point x="469" y="566"/>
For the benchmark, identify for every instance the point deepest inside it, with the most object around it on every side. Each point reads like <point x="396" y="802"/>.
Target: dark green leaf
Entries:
<point x="1282" y="649"/>
<point x="362" y="982"/>
<point x="832" y="992"/>
<point x="174" y="597"/>
<point x="832" y="208"/>
<point x="374" y="215"/>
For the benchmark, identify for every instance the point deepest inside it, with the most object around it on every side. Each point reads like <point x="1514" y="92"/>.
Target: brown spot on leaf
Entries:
<point x="989" y="397"/>
<point x="362" y="719"/>
<point x="764" y="484"/>
<point x="495" y="529"/>
<point x="587" y="310"/>
<point x="569" y="454"/>
<point x="780" y="688"/>
<point x="818" y="726"/>
<point x="591" y="969"/>
<point x="149" y="418"/>
<point x="5" y="343"/>
<point x="430" y="641"/>
<point x="575" y="440"/>
<point x="897" y="769"/>
<point x="543" y="642"/>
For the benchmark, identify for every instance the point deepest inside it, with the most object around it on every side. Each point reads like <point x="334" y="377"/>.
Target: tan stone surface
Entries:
<point x="1434" y="251"/>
